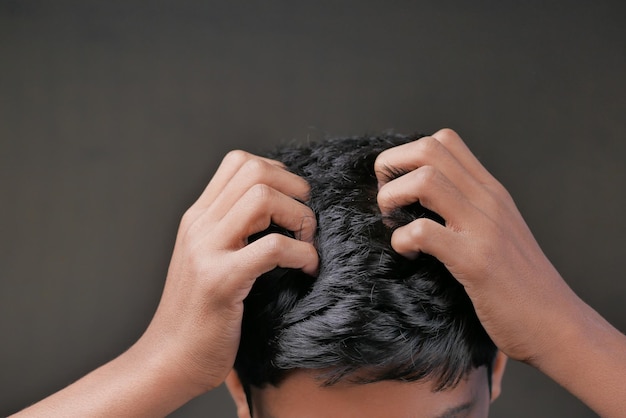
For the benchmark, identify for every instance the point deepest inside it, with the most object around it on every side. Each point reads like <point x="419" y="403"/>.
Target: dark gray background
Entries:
<point x="114" y="115"/>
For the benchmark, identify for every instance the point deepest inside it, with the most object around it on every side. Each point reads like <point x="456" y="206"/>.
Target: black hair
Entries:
<point x="370" y="314"/>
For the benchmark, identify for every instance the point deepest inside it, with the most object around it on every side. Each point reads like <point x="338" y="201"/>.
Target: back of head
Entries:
<point x="371" y="314"/>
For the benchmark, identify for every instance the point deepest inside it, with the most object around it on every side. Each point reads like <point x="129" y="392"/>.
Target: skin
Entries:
<point x="191" y="343"/>
<point x="301" y="395"/>
<point x="522" y="301"/>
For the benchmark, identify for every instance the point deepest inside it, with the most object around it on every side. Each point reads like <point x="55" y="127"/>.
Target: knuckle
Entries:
<point x="496" y="199"/>
<point x="491" y="202"/>
<point x="188" y="218"/>
<point x="385" y="197"/>
<point x="447" y="135"/>
<point x="260" y="192"/>
<point x="255" y="169"/>
<point x="192" y="233"/>
<point x="236" y="157"/>
<point x="196" y="263"/>
<point x="418" y="230"/>
<point x="273" y="244"/>
<point x="381" y="164"/>
<point x="427" y="147"/>
<point x="427" y="177"/>
<point x="426" y="182"/>
<point x="501" y="192"/>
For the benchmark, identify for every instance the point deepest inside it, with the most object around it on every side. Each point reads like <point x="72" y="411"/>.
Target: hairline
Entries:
<point x="448" y="413"/>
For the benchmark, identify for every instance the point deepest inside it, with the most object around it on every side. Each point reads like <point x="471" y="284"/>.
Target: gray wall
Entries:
<point x="114" y="115"/>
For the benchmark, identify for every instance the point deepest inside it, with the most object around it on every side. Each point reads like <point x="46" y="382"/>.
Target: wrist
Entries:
<point x="561" y="332"/>
<point x="161" y="370"/>
<point x="587" y="359"/>
<point x="141" y="382"/>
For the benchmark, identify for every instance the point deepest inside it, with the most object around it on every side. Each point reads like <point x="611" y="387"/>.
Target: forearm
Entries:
<point x="136" y="384"/>
<point x="588" y="358"/>
<point x="521" y="300"/>
<point x="191" y="344"/>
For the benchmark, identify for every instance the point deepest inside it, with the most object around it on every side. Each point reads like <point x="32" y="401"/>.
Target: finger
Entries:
<point x="230" y="165"/>
<point x="277" y="250"/>
<point x="455" y="145"/>
<point x="425" y="151"/>
<point x="260" y="206"/>
<point x="407" y="157"/>
<point x="428" y="186"/>
<point x="263" y="255"/>
<point x="425" y="236"/>
<point x="492" y="193"/>
<point x="257" y="171"/>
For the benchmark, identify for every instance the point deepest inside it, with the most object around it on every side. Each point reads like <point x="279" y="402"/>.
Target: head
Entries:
<point x="374" y="334"/>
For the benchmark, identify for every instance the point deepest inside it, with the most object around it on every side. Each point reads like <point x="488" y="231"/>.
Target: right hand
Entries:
<point x="196" y="328"/>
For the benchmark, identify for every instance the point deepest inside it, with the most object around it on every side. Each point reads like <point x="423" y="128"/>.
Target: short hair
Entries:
<point x="370" y="314"/>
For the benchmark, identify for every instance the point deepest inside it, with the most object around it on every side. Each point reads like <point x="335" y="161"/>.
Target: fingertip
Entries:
<point x="382" y="168"/>
<point x="310" y="261"/>
<point x="277" y="163"/>
<point x="402" y="243"/>
<point x="277" y="250"/>
<point x="382" y="199"/>
<point x="411" y="255"/>
<point x="417" y="237"/>
<point x="312" y="269"/>
<point x="301" y="188"/>
<point x="306" y="193"/>
<point x="306" y="232"/>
